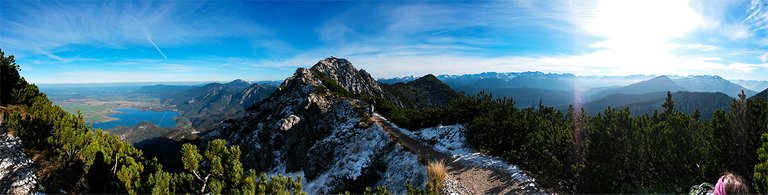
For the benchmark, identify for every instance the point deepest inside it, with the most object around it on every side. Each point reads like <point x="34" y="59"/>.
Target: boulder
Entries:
<point x="288" y="122"/>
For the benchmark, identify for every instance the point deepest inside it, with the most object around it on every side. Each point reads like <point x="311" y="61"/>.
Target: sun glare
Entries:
<point x="641" y="24"/>
<point x="637" y="36"/>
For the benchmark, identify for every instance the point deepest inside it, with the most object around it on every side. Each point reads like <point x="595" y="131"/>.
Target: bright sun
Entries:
<point x="637" y="36"/>
<point x="641" y="25"/>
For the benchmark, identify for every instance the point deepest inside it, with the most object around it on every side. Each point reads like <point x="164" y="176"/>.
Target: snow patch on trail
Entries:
<point x="360" y="149"/>
<point x="452" y="140"/>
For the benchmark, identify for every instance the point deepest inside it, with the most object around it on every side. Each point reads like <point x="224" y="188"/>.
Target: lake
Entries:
<point x="132" y="117"/>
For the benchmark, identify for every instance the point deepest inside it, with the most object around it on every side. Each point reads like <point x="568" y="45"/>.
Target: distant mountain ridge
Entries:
<point x="656" y="84"/>
<point x="529" y="88"/>
<point x="712" y="84"/>
<point x="164" y="91"/>
<point x="753" y="85"/>
<point x="763" y="94"/>
<point x="638" y="104"/>
<point x="694" y="82"/>
<point x="207" y="105"/>
<point x="422" y="92"/>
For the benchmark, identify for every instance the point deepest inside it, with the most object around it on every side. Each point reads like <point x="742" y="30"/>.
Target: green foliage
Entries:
<point x="130" y="176"/>
<point x="380" y="190"/>
<point x="219" y="170"/>
<point x="761" y="169"/>
<point x="190" y="157"/>
<point x="668" y="105"/>
<point x="611" y="152"/>
<point x="160" y="182"/>
<point x="249" y="183"/>
<point x="430" y="189"/>
<point x="738" y="133"/>
<point x="10" y="80"/>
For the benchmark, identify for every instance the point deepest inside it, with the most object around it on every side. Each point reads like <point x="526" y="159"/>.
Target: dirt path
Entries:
<point x="462" y="177"/>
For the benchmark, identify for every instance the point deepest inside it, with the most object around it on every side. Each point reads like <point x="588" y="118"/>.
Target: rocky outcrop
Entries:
<point x="356" y="81"/>
<point x="287" y="123"/>
<point x="304" y="128"/>
<point x="17" y="174"/>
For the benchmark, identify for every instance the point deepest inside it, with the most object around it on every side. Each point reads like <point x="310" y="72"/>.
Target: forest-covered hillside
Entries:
<point x="74" y="158"/>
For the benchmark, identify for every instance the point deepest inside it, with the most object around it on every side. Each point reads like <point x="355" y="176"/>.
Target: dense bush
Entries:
<point x="611" y="152"/>
<point x="761" y="169"/>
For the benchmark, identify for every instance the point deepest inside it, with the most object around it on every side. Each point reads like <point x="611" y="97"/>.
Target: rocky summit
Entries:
<point x="342" y="71"/>
<point x="305" y="128"/>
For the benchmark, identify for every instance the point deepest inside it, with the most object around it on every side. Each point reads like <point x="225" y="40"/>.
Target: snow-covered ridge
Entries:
<point x="362" y="148"/>
<point x="304" y="130"/>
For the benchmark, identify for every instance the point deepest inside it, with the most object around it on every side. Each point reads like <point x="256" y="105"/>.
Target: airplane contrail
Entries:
<point x="153" y="43"/>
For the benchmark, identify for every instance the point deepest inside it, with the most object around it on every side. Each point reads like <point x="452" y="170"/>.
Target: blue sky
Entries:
<point x="128" y="41"/>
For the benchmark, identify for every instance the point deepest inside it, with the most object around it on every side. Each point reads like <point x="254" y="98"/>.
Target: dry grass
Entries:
<point x="436" y="172"/>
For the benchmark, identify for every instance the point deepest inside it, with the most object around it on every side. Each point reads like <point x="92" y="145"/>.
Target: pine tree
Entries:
<point x="740" y="146"/>
<point x="669" y="105"/>
<point x="9" y="77"/>
<point x="696" y="114"/>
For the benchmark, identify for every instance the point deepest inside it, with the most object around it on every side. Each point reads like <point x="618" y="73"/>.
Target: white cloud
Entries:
<point x="758" y="14"/>
<point x="35" y="29"/>
<point x="639" y="37"/>
<point x="698" y="46"/>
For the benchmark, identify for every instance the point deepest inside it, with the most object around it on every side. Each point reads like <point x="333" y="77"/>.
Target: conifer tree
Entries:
<point x="669" y="105"/>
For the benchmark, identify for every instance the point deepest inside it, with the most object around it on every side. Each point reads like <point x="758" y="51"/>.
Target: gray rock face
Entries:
<point x="17" y="175"/>
<point x="303" y="128"/>
<point x="356" y="81"/>
<point x="287" y="123"/>
<point x="274" y="133"/>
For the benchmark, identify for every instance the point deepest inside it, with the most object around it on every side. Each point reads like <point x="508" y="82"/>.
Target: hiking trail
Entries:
<point x="462" y="177"/>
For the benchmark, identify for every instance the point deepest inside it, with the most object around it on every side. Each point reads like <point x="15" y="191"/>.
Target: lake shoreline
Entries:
<point x="131" y="116"/>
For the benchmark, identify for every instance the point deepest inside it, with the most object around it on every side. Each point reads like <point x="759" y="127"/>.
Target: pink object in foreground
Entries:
<point x="720" y="187"/>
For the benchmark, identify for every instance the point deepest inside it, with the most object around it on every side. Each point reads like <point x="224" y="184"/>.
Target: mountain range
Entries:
<point x="589" y="85"/>
<point x="207" y="105"/>
<point x="647" y="103"/>
<point x="642" y="94"/>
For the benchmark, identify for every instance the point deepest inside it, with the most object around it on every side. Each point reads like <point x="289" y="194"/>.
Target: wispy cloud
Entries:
<point x="758" y="15"/>
<point x="55" y="27"/>
<point x="258" y="40"/>
<point x="153" y="44"/>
